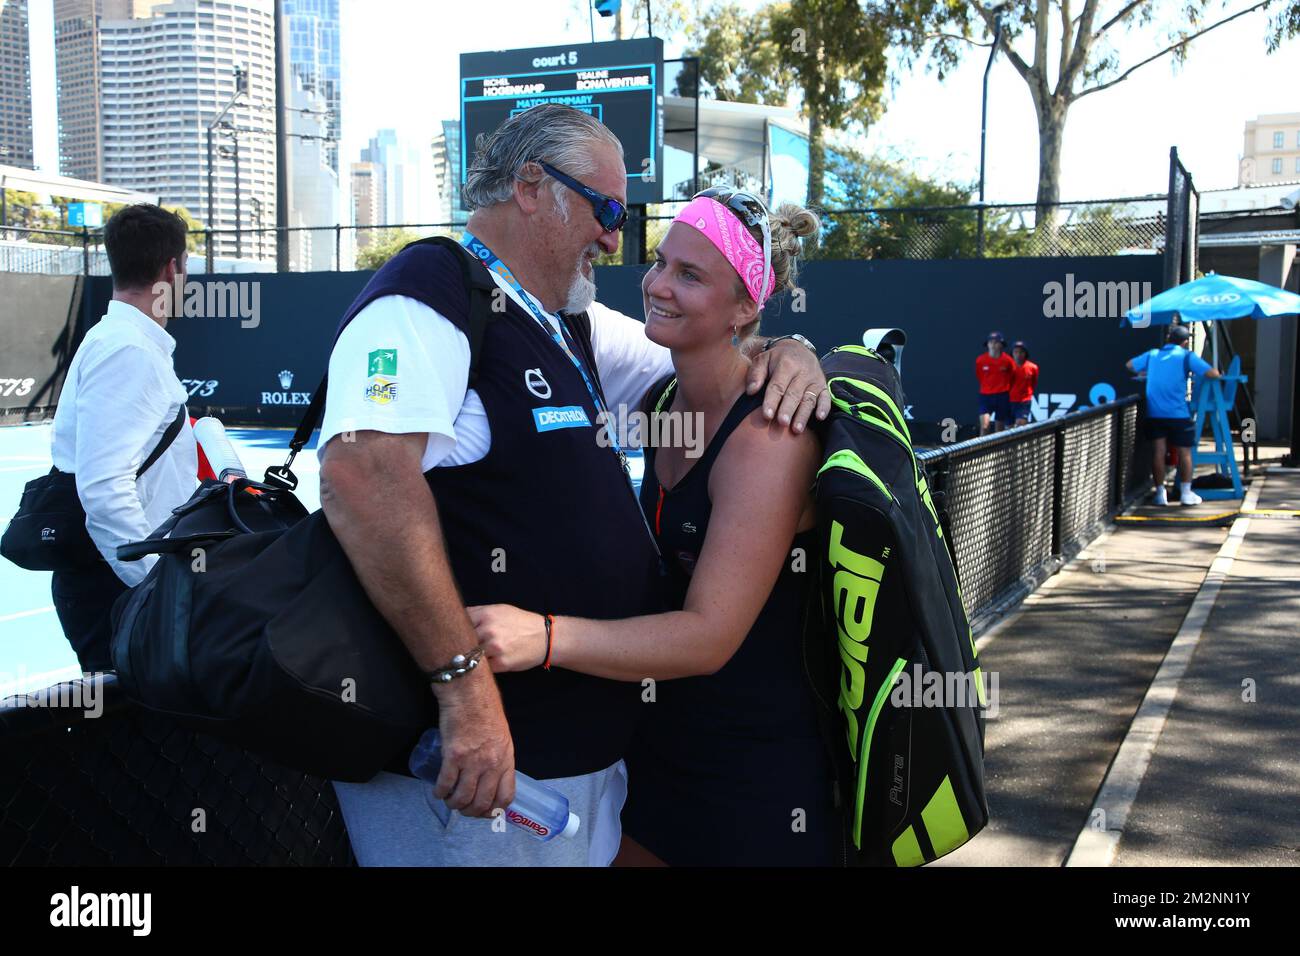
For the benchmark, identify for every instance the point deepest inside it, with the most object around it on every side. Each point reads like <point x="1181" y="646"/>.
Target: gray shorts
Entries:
<point x="390" y="823"/>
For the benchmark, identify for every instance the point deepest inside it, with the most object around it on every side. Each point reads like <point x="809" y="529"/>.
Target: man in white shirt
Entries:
<point x="120" y="395"/>
<point x="528" y="500"/>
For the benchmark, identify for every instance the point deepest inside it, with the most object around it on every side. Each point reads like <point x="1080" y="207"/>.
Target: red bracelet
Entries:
<point x="550" y="623"/>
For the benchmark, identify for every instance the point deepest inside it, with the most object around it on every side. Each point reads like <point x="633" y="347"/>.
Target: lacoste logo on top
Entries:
<point x="536" y="384"/>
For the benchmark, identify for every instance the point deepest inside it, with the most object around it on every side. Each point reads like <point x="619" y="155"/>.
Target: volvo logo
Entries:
<point x="536" y="384"/>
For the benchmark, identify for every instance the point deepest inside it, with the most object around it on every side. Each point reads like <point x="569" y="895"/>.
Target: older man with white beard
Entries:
<point x="445" y="495"/>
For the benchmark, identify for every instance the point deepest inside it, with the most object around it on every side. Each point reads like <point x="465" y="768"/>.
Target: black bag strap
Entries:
<point x="480" y="286"/>
<point x="169" y="436"/>
<point x="139" y="549"/>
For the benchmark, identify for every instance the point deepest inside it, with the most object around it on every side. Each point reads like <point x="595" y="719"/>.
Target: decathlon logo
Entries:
<point x="536" y="384"/>
<point x="1217" y="298"/>
<point x="570" y="416"/>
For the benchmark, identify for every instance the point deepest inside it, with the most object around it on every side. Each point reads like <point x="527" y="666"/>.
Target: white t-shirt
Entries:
<point x="401" y="367"/>
<point x="120" y="395"/>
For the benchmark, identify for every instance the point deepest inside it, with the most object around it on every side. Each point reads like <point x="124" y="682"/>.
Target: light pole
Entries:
<point x="232" y="152"/>
<point x="984" y="119"/>
<point x="241" y="87"/>
<point x="257" y="218"/>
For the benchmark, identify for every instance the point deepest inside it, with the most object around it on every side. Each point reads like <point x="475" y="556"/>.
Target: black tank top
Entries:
<point x="720" y="760"/>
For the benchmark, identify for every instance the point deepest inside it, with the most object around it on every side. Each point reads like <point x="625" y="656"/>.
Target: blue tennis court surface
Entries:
<point x="33" y="651"/>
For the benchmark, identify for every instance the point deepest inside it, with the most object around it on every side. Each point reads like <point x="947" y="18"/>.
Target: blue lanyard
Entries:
<point x="489" y="258"/>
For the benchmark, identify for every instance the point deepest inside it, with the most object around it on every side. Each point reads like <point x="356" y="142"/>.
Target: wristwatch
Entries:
<point x="796" y="337"/>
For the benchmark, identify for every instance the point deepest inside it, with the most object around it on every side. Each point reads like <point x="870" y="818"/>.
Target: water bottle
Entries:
<point x="538" y="810"/>
<point x="212" y="438"/>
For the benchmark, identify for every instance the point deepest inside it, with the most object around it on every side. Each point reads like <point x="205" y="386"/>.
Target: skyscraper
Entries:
<point x="165" y="75"/>
<point x="367" y="200"/>
<point x="446" y="164"/>
<point x="77" y="77"/>
<point x="316" y="197"/>
<point x="15" y="86"/>
<point x="314" y="59"/>
<point x="409" y="188"/>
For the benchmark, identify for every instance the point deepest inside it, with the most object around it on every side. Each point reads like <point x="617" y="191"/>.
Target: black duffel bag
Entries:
<point x="254" y="628"/>
<point x="49" y="531"/>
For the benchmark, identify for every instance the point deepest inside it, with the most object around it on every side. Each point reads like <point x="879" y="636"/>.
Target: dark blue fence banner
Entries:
<point x="38" y="326"/>
<point x="252" y="348"/>
<point x="1067" y="310"/>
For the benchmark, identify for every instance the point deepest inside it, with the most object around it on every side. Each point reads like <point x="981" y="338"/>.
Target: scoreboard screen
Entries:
<point x="619" y="83"/>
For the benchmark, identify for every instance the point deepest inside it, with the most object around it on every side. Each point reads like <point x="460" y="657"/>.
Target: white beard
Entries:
<point x="582" y="291"/>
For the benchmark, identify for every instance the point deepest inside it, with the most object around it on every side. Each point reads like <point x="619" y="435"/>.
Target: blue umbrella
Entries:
<point x="1214" y="297"/>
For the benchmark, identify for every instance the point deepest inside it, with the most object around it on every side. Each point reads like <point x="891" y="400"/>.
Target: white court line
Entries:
<point x="27" y="683"/>
<point x="1097" y="845"/>
<point x="13" y="617"/>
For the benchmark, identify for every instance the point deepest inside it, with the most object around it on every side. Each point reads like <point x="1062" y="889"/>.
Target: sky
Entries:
<point x="401" y="69"/>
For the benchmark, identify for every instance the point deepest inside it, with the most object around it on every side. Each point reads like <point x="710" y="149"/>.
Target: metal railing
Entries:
<point x="1016" y="505"/>
<point x="132" y="788"/>
<point x="1094" y="228"/>
<point x="128" y="786"/>
<point x="1105" y="227"/>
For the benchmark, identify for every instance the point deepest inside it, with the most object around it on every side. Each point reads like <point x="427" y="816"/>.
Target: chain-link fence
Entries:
<point x="1016" y="505"/>
<point x="130" y="788"/>
<point x="1108" y="227"/>
<point x="1098" y="228"/>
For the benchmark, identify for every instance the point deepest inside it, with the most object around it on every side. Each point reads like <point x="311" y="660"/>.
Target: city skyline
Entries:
<point x="1116" y="144"/>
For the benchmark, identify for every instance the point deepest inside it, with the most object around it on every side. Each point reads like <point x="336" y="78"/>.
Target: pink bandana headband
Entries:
<point x="723" y="228"/>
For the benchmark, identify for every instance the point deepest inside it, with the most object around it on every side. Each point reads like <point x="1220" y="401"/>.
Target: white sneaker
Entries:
<point x="1189" y="497"/>
<point x="1162" y="497"/>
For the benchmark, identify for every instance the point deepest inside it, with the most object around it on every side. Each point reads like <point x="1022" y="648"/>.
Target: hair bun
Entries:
<point x="791" y="224"/>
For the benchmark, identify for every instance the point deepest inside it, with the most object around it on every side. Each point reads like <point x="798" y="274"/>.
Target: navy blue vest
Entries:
<point x="546" y="521"/>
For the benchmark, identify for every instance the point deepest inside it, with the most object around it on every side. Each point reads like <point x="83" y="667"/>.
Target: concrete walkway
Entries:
<point x="1223" y="786"/>
<point x="1075" y="662"/>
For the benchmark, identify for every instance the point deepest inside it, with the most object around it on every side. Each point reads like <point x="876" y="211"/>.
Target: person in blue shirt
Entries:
<point x="1169" y="414"/>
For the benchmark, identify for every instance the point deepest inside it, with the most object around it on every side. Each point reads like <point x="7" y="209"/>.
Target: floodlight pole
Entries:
<point x="241" y="87"/>
<point x="984" y="121"/>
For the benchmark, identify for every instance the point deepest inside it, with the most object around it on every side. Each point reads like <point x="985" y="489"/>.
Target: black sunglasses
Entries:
<point x="752" y="212"/>
<point x="609" y="212"/>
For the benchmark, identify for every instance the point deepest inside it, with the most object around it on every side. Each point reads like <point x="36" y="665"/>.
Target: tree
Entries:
<point x="891" y="212"/>
<point x="1285" y="25"/>
<point x="1081" y="45"/>
<point x="832" y="51"/>
<point x="387" y="244"/>
<point x="741" y="60"/>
